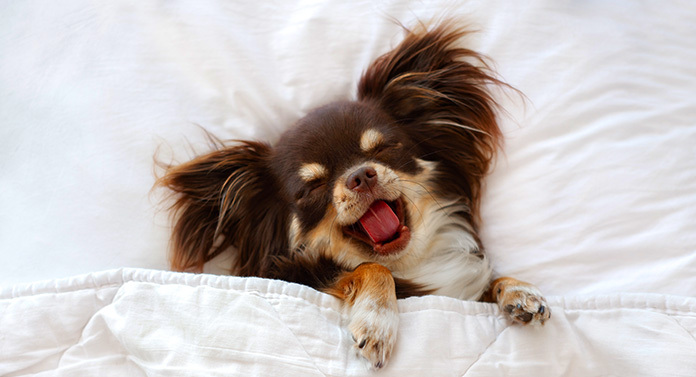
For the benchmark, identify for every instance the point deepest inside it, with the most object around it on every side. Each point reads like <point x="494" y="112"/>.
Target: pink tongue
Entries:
<point x="380" y="222"/>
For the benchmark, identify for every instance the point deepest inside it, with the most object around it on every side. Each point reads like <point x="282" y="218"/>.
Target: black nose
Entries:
<point x="362" y="179"/>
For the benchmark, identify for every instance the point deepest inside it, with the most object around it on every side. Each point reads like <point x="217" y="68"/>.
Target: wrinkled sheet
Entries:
<point x="133" y="322"/>
<point x="595" y="192"/>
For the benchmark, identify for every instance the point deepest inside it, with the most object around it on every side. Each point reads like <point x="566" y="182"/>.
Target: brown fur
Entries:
<point x="223" y="197"/>
<point x="369" y="279"/>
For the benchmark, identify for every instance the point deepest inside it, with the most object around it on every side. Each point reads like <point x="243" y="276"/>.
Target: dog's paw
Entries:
<point x="374" y="327"/>
<point x="521" y="302"/>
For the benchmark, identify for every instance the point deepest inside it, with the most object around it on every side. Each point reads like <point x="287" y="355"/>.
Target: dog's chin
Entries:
<point x="385" y="245"/>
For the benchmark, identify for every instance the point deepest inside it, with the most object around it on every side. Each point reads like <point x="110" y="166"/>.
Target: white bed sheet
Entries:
<point x="595" y="193"/>
<point x="153" y="323"/>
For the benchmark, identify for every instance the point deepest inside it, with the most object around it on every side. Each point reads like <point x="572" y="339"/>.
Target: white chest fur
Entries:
<point x="449" y="268"/>
<point x="443" y="255"/>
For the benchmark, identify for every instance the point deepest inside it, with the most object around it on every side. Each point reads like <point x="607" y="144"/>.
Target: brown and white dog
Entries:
<point x="366" y="200"/>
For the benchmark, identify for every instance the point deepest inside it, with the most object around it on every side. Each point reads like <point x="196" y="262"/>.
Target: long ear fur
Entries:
<point x="439" y="94"/>
<point x="227" y="198"/>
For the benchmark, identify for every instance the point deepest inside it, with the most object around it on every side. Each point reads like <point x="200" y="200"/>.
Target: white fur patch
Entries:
<point x="374" y="326"/>
<point x="312" y="171"/>
<point x="442" y="254"/>
<point x="370" y="139"/>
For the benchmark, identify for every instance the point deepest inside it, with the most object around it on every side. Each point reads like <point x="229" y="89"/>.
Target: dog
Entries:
<point x="367" y="200"/>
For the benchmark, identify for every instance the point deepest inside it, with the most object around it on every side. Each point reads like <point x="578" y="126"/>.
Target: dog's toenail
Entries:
<point x="362" y="344"/>
<point x="542" y="309"/>
<point x="526" y="317"/>
<point x="378" y="364"/>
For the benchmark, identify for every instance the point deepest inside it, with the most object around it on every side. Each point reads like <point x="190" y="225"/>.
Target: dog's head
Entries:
<point x="364" y="180"/>
<point x="351" y="175"/>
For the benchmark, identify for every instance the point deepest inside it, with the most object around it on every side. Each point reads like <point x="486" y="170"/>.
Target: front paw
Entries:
<point x="374" y="329"/>
<point x="521" y="302"/>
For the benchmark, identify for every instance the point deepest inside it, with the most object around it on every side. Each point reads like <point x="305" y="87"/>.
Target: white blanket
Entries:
<point x="593" y="198"/>
<point x="133" y="322"/>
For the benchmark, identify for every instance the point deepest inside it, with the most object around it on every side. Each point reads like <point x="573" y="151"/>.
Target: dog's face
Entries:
<point x="354" y="181"/>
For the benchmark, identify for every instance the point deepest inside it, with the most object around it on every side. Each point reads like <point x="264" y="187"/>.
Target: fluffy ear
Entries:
<point x="227" y="198"/>
<point x="439" y="93"/>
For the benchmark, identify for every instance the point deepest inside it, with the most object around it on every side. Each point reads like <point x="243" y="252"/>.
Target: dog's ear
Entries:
<point x="227" y="198"/>
<point x="439" y="94"/>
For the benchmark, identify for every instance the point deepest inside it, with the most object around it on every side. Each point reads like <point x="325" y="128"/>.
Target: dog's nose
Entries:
<point x="362" y="179"/>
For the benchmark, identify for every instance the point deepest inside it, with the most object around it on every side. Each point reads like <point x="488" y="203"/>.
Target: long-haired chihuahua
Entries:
<point x="368" y="200"/>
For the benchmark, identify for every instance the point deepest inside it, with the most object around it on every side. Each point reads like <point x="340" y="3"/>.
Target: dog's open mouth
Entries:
<point x="382" y="227"/>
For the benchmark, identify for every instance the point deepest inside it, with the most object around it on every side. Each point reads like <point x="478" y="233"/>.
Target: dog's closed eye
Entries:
<point x="386" y="149"/>
<point x="315" y="177"/>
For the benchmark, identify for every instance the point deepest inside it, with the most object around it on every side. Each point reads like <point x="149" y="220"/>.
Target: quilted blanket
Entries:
<point x="135" y="322"/>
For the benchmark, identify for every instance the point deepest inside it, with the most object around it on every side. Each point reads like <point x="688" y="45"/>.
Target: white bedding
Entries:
<point x="593" y="200"/>
<point x="131" y="322"/>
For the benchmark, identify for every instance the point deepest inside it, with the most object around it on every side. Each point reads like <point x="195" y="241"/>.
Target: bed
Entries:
<point x="593" y="198"/>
